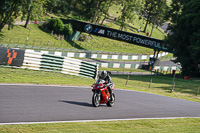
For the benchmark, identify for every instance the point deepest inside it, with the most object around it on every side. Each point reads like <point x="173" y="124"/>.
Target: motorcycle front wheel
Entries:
<point x="95" y="100"/>
<point x="111" y="103"/>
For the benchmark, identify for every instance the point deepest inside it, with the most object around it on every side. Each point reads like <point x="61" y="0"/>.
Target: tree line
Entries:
<point x="95" y="11"/>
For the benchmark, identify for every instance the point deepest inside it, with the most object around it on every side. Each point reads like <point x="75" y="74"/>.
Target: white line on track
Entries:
<point x="21" y="123"/>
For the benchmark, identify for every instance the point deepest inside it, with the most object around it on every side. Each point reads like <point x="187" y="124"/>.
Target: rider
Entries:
<point x="108" y="81"/>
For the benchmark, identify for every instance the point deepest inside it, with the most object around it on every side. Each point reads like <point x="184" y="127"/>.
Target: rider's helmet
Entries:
<point x="103" y="74"/>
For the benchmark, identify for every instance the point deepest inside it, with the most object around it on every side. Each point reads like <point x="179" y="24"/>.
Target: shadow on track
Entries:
<point x="77" y="103"/>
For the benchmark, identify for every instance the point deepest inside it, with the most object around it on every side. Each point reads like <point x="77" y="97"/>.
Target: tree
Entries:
<point x="160" y="8"/>
<point x="103" y="10"/>
<point x="185" y="35"/>
<point x="96" y="8"/>
<point x="154" y="12"/>
<point x="8" y="10"/>
<point x="130" y="7"/>
<point x="32" y="9"/>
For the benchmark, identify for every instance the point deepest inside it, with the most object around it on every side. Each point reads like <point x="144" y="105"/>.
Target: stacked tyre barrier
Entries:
<point x="40" y="61"/>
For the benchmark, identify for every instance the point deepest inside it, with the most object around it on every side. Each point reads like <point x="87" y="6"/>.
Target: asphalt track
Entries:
<point x="42" y="103"/>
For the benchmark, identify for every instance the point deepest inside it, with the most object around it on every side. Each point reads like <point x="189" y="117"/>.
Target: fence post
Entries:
<point x="33" y="42"/>
<point x="197" y="91"/>
<point x="55" y="43"/>
<point x="47" y="43"/>
<point x="173" y="87"/>
<point x="10" y="40"/>
<point x="127" y="80"/>
<point x="18" y="41"/>
<point x="150" y="83"/>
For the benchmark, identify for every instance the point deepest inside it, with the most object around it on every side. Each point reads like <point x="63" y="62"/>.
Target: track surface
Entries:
<point x="37" y="103"/>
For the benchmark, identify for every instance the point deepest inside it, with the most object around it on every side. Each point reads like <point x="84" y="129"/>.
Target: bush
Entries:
<point x="68" y="30"/>
<point x="56" y="25"/>
<point x="82" y="37"/>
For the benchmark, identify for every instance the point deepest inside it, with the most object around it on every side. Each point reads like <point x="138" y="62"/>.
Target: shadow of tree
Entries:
<point x="132" y="28"/>
<point x="75" y="45"/>
<point x="72" y="43"/>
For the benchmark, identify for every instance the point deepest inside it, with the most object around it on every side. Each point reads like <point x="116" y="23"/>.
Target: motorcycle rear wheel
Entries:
<point x="95" y="100"/>
<point x="111" y="103"/>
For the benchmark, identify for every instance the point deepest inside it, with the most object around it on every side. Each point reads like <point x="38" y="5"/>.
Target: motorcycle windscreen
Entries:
<point x="99" y="81"/>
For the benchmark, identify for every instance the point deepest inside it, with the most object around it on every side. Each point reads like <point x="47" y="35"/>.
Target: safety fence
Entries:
<point x="85" y="53"/>
<point x="100" y="55"/>
<point x="40" y="61"/>
<point x="138" y="66"/>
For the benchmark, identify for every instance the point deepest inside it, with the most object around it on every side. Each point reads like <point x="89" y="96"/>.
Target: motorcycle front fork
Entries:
<point x="99" y="95"/>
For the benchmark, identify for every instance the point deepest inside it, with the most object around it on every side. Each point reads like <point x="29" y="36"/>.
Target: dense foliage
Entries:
<point x="58" y="27"/>
<point x="185" y="35"/>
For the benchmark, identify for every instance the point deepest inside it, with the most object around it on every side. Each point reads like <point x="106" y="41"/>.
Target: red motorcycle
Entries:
<point x="101" y="94"/>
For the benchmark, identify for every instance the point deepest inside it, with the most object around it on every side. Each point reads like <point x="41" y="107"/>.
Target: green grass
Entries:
<point x="185" y="89"/>
<point x="37" y="37"/>
<point x="189" y="125"/>
<point x="8" y="75"/>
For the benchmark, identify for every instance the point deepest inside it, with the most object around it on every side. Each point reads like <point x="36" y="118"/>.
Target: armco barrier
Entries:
<point x="66" y="65"/>
<point x="100" y="55"/>
<point x="136" y="66"/>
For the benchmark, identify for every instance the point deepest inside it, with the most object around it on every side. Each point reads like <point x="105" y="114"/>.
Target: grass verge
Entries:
<point x="184" y="89"/>
<point x="189" y="125"/>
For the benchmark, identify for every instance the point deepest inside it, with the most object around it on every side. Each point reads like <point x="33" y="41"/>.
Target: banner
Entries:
<point x="128" y="37"/>
<point x="12" y="57"/>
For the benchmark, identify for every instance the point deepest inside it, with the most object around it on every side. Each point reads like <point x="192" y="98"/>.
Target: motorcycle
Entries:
<point x="101" y="94"/>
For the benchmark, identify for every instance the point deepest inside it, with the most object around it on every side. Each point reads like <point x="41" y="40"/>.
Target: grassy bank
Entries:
<point x="184" y="89"/>
<point x="189" y="125"/>
<point x="37" y="37"/>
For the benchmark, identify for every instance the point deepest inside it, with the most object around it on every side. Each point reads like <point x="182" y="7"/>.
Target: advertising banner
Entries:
<point x="128" y="37"/>
<point x="12" y="57"/>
